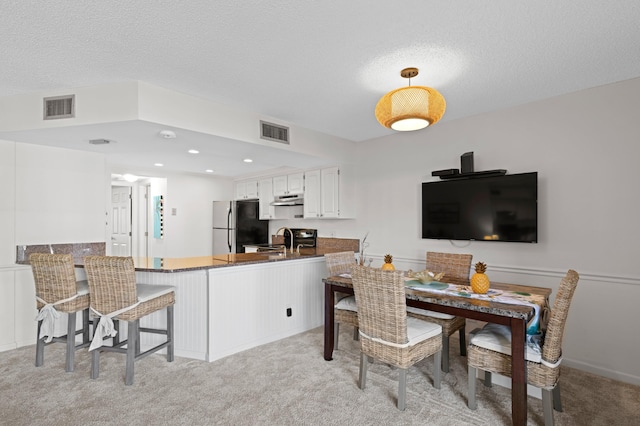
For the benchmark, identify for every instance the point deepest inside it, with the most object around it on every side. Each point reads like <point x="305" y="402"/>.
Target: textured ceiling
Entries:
<point x="323" y="65"/>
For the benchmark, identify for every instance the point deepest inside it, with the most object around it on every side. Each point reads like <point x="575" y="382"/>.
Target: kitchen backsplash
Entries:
<point x="327" y="243"/>
<point x="78" y="250"/>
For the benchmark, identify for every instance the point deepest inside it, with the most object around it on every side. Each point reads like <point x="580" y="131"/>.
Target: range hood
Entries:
<point x="288" y="200"/>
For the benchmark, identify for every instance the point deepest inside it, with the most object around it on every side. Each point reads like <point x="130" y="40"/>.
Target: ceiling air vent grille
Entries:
<point x="273" y="132"/>
<point x="56" y="107"/>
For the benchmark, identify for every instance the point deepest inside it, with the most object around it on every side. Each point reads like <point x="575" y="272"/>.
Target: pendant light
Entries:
<point x="410" y="108"/>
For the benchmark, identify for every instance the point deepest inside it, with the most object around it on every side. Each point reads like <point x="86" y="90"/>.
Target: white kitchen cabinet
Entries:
<point x="267" y="211"/>
<point x="246" y="190"/>
<point x="328" y="194"/>
<point x="290" y="184"/>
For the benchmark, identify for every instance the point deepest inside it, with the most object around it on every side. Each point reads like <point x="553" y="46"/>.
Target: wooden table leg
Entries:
<point x="328" y="321"/>
<point x="518" y="373"/>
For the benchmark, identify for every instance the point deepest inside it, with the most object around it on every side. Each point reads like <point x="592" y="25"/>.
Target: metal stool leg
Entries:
<point x="71" y="341"/>
<point x="39" y="346"/>
<point x="170" y="355"/>
<point x="132" y="341"/>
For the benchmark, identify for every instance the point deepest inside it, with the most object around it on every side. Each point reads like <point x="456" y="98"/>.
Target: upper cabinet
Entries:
<point x="329" y="194"/>
<point x="267" y="211"/>
<point x="246" y="190"/>
<point x="291" y="184"/>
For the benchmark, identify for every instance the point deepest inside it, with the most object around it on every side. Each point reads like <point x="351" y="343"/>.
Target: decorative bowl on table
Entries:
<point x="425" y="276"/>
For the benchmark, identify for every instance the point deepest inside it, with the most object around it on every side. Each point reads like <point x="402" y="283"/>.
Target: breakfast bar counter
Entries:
<point x="159" y="264"/>
<point x="233" y="302"/>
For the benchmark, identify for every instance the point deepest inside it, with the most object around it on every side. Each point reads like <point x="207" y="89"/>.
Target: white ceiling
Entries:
<point x="321" y="65"/>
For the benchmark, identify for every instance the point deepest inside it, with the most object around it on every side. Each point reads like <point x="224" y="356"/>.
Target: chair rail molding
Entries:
<point x="418" y="263"/>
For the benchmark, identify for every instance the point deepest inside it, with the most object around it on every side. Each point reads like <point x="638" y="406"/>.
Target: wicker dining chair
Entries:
<point x="387" y="333"/>
<point x="456" y="268"/>
<point x="345" y="309"/>
<point x="490" y="350"/>
<point x="57" y="291"/>
<point x="115" y="295"/>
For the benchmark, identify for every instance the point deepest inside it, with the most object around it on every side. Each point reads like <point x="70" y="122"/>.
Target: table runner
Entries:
<point x="493" y="295"/>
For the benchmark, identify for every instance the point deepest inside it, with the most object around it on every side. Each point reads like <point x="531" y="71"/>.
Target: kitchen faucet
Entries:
<point x="284" y="228"/>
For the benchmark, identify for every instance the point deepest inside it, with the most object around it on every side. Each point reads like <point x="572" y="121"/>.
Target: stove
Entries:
<point x="304" y="236"/>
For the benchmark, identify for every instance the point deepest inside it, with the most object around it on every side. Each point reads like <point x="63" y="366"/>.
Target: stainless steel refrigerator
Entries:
<point x="236" y="223"/>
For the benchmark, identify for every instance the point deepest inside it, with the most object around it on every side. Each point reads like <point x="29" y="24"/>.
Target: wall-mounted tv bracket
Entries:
<point x="466" y="170"/>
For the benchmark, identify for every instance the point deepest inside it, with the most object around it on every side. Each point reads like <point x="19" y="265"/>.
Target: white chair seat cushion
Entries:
<point x="347" y="304"/>
<point x="82" y="287"/>
<point x="149" y="291"/>
<point x="497" y="338"/>
<point x="426" y="313"/>
<point x="418" y="330"/>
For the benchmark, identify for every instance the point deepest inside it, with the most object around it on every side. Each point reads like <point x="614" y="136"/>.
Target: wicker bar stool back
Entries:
<point x="386" y="333"/>
<point x="57" y="291"/>
<point x="542" y="371"/>
<point x="115" y="295"/>
<point x="345" y="309"/>
<point x="456" y="268"/>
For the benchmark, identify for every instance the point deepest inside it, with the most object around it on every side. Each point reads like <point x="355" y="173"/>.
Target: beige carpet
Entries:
<point x="285" y="382"/>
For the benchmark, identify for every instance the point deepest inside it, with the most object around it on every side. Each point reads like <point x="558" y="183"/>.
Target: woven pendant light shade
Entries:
<point x="410" y="108"/>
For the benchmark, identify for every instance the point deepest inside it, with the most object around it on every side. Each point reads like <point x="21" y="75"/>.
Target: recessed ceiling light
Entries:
<point x="193" y="151"/>
<point x="158" y="164"/>
<point x="248" y="160"/>
<point x="209" y="171"/>
<point x="129" y="177"/>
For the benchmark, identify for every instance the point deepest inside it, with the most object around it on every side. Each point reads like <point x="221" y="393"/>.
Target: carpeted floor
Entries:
<point x="283" y="383"/>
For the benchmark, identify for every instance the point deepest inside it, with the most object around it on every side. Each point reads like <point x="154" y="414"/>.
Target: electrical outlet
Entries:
<point x="289" y="312"/>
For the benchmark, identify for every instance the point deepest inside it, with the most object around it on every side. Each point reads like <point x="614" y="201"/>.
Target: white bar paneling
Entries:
<point x="248" y="304"/>
<point x="190" y="312"/>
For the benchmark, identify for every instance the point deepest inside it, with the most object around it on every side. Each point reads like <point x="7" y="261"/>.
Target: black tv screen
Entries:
<point x="497" y="208"/>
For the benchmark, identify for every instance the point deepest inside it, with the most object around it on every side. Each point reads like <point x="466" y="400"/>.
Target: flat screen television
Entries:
<point x="496" y="208"/>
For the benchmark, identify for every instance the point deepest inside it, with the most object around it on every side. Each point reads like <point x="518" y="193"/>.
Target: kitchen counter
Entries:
<point x="158" y="264"/>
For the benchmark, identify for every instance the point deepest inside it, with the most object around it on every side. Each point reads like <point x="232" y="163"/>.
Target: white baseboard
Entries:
<point x="604" y="372"/>
<point x="7" y="347"/>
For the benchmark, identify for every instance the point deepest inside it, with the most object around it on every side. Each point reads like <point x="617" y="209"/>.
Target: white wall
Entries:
<point x="49" y="196"/>
<point x="585" y="148"/>
<point x="188" y="232"/>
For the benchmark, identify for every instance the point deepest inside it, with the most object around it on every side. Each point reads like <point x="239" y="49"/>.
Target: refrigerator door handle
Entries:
<point x="229" y="227"/>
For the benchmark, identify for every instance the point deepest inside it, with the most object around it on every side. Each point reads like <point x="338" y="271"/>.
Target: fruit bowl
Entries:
<point x="425" y="276"/>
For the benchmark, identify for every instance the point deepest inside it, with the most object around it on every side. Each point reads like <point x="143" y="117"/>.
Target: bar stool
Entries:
<point x="115" y="295"/>
<point x="57" y="291"/>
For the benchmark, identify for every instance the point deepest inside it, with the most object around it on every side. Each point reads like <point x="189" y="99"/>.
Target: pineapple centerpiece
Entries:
<point x="479" y="280"/>
<point x="387" y="265"/>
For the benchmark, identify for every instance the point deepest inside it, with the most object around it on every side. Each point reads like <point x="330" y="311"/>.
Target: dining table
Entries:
<point x="516" y="316"/>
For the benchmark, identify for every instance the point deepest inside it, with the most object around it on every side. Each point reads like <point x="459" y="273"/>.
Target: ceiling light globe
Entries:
<point x="414" y="104"/>
<point x="410" y="124"/>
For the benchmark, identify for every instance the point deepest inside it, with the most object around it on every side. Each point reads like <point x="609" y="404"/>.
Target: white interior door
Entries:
<point x="121" y="221"/>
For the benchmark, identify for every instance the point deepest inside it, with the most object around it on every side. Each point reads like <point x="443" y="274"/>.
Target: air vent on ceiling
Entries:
<point x="274" y="132"/>
<point x="56" y="107"/>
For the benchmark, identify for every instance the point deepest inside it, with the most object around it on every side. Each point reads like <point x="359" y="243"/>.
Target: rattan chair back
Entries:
<point x="340" y="263"/>
<point x="456" y="267"/>
<point x="55" y="279"/>
<point x="112" y="282"/>
<point x="382" y="305"/>
<point x="552" y="348"/>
